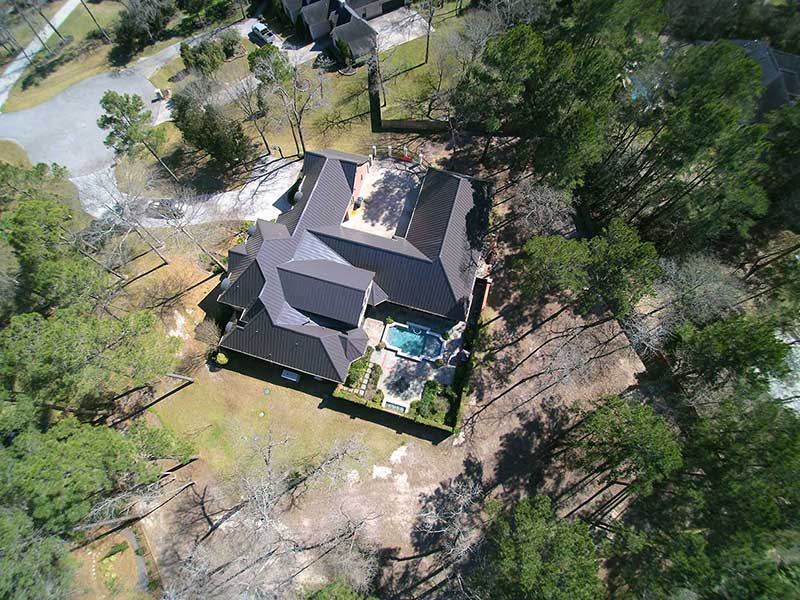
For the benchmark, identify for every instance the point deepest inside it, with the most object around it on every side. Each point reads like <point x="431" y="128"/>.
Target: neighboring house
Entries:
<point x="343" y="21"/>
<point x="780" y="74"/>
<point x="299" y="287"/>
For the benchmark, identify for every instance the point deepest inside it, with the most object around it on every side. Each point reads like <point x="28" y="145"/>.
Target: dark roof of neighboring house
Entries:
<point x="356" y="4"/>
<point x="317" y="12"/>
<point x="358" y="35"/>
<point x="303" y="282"/>
<point x="293" y="5"/>
<point x="780" y="74"/>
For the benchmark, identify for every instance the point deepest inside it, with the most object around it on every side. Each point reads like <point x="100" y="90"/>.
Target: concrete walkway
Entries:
<point x="263" y="197"/>
<point x="17" y="67"/>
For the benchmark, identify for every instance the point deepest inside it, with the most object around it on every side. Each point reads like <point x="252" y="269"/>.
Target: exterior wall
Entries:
<point x="289" y="13"/>
<point x="361" y="172"/>
<point x="370" y="11"/>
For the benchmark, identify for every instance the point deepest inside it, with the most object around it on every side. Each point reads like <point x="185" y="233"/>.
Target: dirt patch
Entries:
<point x="113" y="577"/>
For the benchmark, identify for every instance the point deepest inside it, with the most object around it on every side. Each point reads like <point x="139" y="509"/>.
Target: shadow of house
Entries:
<point x="401" y="425"/>
<point x="271" y="374"/>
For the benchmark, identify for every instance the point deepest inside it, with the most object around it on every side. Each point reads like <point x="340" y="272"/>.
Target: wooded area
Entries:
<point x="640" y="189"/>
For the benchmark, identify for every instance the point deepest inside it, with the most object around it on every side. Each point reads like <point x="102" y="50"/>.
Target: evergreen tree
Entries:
<point x="530" y="554"/>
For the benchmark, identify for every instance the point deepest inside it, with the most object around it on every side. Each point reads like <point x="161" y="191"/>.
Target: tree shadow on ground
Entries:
<point x="526" y="458"/>
<point x="392" y="200"/>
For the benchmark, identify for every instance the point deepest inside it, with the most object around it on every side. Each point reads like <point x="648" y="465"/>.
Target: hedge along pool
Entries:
<point x="414" y="341"/>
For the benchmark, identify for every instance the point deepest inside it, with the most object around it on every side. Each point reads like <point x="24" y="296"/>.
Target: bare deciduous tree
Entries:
<point x="543" y="210"/>
<point x="248" y="96"/>
<point x="260" y="555"/>
<point x="297" y="96"/>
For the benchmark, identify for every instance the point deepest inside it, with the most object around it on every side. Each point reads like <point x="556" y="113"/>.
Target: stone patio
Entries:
<point x="402" y="379"/>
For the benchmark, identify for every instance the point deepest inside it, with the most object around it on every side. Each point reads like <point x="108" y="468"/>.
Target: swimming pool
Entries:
<point x="414" y="341"/>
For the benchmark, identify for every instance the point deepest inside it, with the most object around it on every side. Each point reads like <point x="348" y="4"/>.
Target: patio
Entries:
<point x="389" y="192"/>
<point x="403" y="379"/>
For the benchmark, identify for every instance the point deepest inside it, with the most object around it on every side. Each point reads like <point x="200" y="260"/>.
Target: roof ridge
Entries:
<point x="283" y="267"/>
<point x="354" y="240"/>
<point x="311" y="191"/>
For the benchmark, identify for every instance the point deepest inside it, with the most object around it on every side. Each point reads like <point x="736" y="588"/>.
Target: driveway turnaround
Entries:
<point x="64" y="129"/>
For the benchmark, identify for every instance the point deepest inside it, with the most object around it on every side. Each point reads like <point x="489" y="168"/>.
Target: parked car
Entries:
<point x="262" y="32"/>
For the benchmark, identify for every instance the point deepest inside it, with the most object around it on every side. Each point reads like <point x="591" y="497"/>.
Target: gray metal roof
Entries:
<point x="321" y="287"/>
<point x="304" y="281"/>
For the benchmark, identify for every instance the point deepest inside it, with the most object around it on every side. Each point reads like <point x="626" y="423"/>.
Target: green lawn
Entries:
<point x="23" y="34"/>
<point x="80" y="59"/>
<point x="223" y="407"/>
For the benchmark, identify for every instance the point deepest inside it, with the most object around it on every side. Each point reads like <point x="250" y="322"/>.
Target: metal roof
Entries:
<point x="780" y="74"/>
<point x="357" y="34"/>
<point x="304" y="281"/>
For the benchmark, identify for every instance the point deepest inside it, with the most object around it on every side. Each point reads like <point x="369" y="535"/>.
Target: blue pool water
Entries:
<point x="414" y="341"/>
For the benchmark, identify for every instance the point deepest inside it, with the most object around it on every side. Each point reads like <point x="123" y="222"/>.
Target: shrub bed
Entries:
<point x="358" y="369"/>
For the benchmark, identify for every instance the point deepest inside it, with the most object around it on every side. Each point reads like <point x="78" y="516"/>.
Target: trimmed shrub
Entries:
<point x="375" y="375"/>
<point x="221" y="359"/>
<point x="389" y="320"/>
<point x="358" y="369"/>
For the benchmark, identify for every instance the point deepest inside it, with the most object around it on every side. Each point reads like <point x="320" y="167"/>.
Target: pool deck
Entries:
<point x="402" y="379"/>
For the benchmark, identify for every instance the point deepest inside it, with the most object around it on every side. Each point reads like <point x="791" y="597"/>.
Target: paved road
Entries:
<point x="64" y="129"/>
<point x="17" y="67"/>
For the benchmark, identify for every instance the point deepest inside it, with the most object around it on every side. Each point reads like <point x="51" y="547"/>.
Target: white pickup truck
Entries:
<point x="262" y="32"/>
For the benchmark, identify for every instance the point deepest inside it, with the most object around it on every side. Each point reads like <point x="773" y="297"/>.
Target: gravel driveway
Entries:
<point x="64" y="129"/>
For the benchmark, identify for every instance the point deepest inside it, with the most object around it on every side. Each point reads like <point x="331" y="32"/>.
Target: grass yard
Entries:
<point x="223" y="406"/>
<point x="84" y="57"/>
<point x="13" y="153"/>
<point x="231" y="71"/>
<point x="23" y="34"/>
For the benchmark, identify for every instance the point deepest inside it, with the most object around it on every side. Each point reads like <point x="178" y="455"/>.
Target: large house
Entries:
<point x="343" y="21"/>
<point x="780" y="74"/>
<point x="299" y="287"/>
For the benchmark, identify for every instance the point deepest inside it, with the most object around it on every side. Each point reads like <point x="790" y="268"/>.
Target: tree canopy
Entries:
<point x="531" y="554"/>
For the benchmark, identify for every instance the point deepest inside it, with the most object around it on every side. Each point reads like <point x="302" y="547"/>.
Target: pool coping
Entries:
<point x="399" y="351"/>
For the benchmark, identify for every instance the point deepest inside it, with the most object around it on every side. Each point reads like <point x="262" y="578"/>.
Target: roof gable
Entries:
<point x="303" y="282"/>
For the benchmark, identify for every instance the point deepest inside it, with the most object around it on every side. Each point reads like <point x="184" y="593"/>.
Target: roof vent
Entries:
<point x="229" y="326"/>
<point x="225" y="284"/>
<point x="298" y="196"/>
<point x="252" y="229"/>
